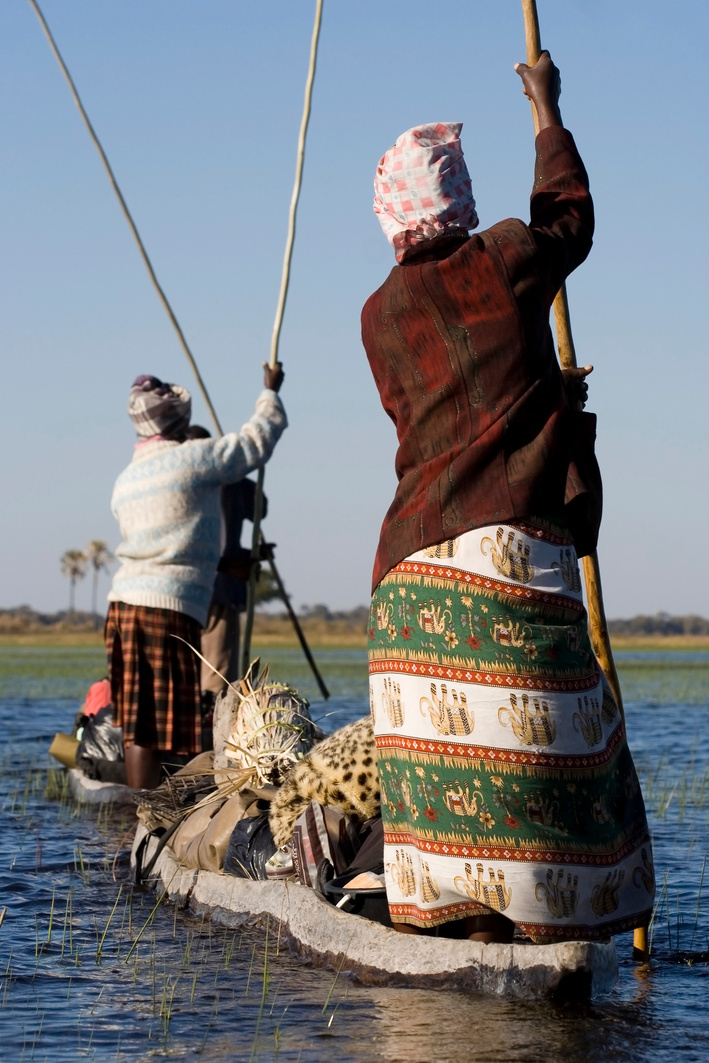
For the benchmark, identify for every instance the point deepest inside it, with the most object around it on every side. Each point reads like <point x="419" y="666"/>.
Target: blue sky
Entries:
<point x="198" y="104"/>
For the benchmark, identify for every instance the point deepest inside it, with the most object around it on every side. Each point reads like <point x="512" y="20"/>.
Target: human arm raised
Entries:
<point x="561" y="208"/>
<point x="236" y="454"/>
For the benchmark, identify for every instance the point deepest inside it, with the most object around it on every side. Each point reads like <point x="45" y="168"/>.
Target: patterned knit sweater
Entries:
<point x="167" y="505"/>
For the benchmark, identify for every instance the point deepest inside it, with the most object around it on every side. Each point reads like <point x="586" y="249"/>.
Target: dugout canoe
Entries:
<point x="92" y="792"/>
<point x="373" y="954"/>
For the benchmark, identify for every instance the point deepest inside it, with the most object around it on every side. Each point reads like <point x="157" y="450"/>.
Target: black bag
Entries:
<point x="101" y="738"/>
<point x="100" y="753"/>
<point x="370" y="856"/>
<point x="250" y="847"/>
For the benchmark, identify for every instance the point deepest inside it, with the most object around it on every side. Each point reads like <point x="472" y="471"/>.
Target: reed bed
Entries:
<point x="174" y="973"/>
<point x="141" y="957"/>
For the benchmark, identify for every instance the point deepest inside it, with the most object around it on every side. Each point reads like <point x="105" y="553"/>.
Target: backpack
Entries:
<point x="324" y="844"/>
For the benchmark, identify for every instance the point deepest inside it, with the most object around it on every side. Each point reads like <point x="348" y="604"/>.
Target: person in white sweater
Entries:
<point x="167" y="503"/>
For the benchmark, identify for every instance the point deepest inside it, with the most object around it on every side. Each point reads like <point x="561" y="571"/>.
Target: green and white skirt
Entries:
<point x="506" y="780"/>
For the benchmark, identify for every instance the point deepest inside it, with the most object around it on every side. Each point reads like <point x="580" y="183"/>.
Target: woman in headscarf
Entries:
<point x="508" y="793"/>
<point x="167" y="503"/>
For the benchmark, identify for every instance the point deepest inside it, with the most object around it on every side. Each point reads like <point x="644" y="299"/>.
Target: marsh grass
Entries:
<point x="265" y="980"/>
<point x="699" y="898"/>
<point x="99" y="947"/>
<point x="36" y="672"/>
<point x="677" y="799"/>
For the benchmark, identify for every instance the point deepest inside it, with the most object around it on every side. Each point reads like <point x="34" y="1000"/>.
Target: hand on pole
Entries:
<point x="542" y="85"/>
<point x="273" y="377"/>
<point x="575" y="386"/>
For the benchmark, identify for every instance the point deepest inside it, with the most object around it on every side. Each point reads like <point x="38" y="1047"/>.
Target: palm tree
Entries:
<point x="99" y="557"/>
<point x="73" y="564"/>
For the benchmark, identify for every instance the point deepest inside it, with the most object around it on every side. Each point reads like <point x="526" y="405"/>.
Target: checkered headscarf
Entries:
<point x="158" y="409"/>
<point x="422" y="186"/>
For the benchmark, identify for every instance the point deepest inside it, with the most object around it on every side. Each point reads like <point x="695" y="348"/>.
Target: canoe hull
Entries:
<point x="92" y="792"/>
<point x="376" y="955"/>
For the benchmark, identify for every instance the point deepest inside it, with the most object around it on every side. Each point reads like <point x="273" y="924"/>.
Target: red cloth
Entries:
<point x="459" y="343"/>
<point x="97" y="697"/>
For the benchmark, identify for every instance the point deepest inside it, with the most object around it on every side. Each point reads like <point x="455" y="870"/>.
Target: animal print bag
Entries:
<point x="324" y="844"/>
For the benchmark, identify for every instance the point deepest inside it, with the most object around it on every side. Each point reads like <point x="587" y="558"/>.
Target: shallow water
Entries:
<point x="189" y="991"/>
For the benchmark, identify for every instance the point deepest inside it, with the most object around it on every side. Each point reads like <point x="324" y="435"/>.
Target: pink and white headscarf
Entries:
<point x="422" y="186"/>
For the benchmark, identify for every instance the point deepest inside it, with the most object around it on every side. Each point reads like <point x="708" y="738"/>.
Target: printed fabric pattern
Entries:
<point x="506" y="780"/>
<point x="422" y="186"/>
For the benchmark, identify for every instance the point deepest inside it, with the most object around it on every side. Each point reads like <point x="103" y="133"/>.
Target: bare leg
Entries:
<point x="487" y="928"/>
<point x="407" y="928"/>
<point x="142" y="767"/>
<point x="486" y="936"/>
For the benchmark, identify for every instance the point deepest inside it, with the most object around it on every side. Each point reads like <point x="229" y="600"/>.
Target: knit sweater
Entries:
<point x="167" y="503"/>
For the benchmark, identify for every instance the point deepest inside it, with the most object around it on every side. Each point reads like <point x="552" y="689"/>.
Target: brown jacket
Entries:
<point x="459" y="343"/>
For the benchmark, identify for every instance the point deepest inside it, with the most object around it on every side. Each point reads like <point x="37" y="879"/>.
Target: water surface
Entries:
<point x="188" y="990"/>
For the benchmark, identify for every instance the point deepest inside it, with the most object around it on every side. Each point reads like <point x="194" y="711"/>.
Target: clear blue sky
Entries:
<point x="198" y="104"/>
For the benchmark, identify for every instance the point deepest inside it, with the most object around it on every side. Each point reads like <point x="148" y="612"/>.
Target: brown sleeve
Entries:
<point x="561" y="209"/>
<point x="583" y="502"/>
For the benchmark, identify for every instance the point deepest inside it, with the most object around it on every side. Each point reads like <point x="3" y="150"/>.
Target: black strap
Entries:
<point x="163" y="835"/>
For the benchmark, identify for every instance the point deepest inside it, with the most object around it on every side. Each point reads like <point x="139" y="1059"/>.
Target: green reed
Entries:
<point x="99" y="948"/>
<point x="264" y="993"/>
<point x="699" y="897"/>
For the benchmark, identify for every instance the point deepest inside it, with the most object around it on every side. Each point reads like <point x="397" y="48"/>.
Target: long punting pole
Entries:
<point x="598" y="626"/>
<point x="273" y="358"/>
<point x="161" y="294"/>
<point x="129" y="218"/>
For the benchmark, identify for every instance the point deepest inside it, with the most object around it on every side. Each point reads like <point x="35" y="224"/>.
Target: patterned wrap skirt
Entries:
<point x="155" y="678"/>
<point x="506" y="780"/>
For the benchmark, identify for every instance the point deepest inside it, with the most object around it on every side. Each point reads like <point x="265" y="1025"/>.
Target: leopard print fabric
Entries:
<point x="340" y="771"/>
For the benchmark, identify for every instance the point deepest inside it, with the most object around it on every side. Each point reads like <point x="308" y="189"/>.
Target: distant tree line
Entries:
<point x="356" y="618"/>
<point x="22" y="618"/>
<point x="660" y="624"/>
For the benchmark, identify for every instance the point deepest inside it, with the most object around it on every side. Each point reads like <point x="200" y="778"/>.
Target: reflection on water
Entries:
<point x="188" y="990"/>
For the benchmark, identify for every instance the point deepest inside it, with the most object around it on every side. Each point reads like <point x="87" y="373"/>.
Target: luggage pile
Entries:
<point x="215" y="811"/>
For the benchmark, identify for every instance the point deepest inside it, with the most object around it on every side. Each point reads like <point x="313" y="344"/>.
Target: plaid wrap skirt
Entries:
<point x="155" y="678"/>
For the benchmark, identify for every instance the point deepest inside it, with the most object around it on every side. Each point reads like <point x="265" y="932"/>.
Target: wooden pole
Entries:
<point x="296" y="624"/>
<point x="533" y="42"/>
<point x="128" y="216"/>
<point x="273" y="357"/>
<point x="598" y="627"/>
<point x="300" y="157"/>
